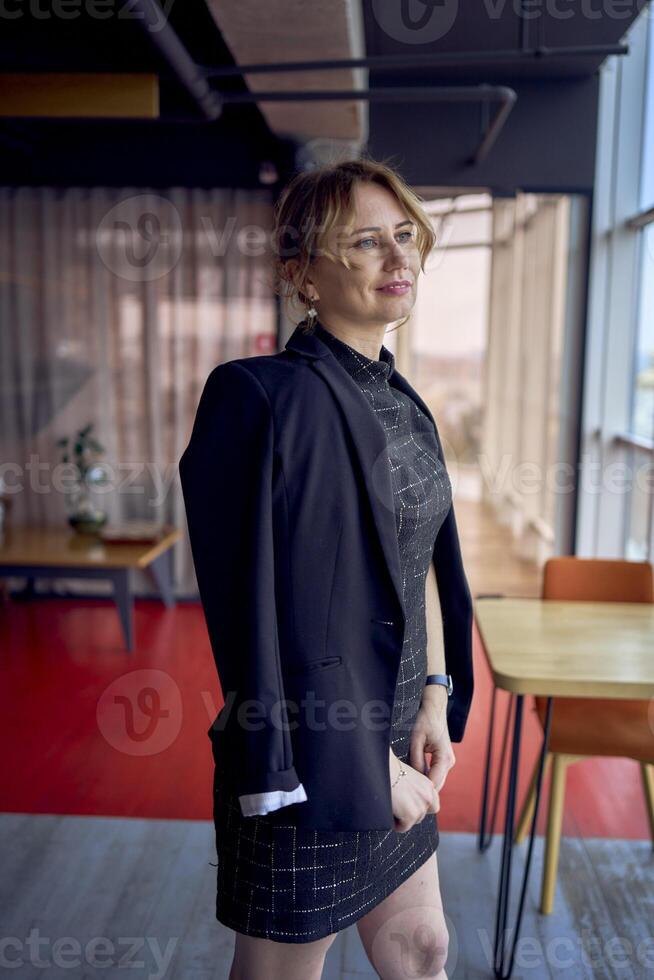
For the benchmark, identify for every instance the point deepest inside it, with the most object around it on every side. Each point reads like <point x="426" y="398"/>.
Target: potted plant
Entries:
<point x="84" y="451"/>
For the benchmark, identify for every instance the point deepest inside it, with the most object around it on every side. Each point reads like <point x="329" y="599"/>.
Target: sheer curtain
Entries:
<point x="115" y="304"/>
<point x="535" y="331"/>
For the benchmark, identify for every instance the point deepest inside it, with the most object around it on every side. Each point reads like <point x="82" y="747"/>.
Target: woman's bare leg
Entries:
<point x="264" y="959"/>
<point x="405" y="936"/>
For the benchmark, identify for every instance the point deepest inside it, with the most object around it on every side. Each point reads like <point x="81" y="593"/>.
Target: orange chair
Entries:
<point x="583" y="727"/>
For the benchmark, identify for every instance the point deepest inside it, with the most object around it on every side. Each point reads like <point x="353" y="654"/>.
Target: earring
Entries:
<point x="312" y="312"/>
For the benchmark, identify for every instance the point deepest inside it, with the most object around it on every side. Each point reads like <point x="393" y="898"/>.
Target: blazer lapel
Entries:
<point x="369" y="441"/>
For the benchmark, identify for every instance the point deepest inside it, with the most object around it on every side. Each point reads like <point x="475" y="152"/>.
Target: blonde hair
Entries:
<point x="316" y="202"/>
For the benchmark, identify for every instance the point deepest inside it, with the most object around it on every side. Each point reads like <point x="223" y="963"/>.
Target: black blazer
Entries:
<point x="289" y="504"/>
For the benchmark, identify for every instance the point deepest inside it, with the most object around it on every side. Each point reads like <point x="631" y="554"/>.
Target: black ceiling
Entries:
<point x="229" y="150"/>
<point x="493" y="25"/>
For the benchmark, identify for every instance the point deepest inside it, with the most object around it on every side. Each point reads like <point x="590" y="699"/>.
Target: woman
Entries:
<point x="326" y="551"/>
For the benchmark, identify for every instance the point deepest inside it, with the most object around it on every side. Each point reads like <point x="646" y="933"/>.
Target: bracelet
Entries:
<point x="402" y="773"/>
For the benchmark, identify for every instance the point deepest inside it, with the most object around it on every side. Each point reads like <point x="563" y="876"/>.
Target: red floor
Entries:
<point x="97" y="731"/>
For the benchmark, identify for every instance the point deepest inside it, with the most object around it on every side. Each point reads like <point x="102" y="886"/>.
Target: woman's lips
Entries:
<point x="394" y="290"/>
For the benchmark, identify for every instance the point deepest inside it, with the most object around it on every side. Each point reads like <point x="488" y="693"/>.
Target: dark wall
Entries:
<point x="547" y="143"/>
<point x="57" y="152"/>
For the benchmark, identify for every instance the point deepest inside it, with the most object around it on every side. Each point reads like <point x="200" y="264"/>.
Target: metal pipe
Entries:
<point x="507" y="100"/>
<point x="152" y="20"/>
<point x="410" y="93"/>
<point x="506" y="96"/>
<point x="442" y="58"/>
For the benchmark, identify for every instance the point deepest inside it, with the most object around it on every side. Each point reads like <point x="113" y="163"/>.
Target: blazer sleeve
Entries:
<point x="457" y="615"/>
<point x="226" y="474"/>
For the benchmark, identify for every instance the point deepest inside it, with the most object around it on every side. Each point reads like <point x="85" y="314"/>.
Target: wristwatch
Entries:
<point x="444" y="679"/>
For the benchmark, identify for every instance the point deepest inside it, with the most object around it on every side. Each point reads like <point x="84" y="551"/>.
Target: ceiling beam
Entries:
<point x="283" y="30"/>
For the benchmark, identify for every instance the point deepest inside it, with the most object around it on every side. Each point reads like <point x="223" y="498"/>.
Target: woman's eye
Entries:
<point x="404" y="236"/>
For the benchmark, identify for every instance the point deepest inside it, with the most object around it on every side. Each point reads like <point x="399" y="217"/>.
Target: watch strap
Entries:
<point x="444" y="679"/>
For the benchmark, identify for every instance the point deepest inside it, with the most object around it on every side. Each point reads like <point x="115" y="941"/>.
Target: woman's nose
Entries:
<point x="397" y="257"/>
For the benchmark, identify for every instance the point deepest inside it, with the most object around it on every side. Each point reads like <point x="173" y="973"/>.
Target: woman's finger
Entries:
<point x="417" y="752"/>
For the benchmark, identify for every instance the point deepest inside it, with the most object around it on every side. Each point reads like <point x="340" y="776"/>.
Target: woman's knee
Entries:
<point x="438" y="951"/>
<point x="424" y="951"/>
<point x="409" y="945"/>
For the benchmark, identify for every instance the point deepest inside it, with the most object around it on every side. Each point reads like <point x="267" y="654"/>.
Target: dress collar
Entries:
<point x="363" y="369"/>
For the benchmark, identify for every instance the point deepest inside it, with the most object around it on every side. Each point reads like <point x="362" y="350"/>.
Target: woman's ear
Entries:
<point x="310" y="290"/>
<point x="306" y="290"/>
<point x="289" y="270"/>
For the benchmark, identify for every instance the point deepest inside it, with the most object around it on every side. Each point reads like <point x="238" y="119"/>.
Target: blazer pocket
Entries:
<point x="317" y="665"/>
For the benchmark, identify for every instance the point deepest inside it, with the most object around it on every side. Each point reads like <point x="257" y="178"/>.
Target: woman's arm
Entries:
<point x="226" y="474"/>
<point x="434" y="694"/>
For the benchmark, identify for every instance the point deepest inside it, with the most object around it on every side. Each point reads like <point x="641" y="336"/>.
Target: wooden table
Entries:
<point x="553" y="648"/>
<point x="61" y="553"/>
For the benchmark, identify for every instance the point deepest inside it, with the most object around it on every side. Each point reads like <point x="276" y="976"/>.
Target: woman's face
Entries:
<point x="381" y="246"/>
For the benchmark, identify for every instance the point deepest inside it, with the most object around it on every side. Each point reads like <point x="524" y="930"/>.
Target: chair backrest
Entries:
<point x="598" y="579"/>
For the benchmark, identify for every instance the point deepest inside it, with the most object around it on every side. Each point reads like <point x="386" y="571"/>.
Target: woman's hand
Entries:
<point x="412" y="797"/>
<point x="430" y="734"/>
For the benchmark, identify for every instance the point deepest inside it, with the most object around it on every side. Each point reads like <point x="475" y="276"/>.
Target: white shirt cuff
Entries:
<point x="257" y="804"/>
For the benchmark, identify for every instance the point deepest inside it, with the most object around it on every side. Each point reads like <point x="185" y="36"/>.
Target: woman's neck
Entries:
<point x="366" y="340"/>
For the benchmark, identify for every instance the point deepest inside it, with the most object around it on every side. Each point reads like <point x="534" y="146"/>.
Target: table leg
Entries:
<point x="501" y="969"/>
<point x="485" y="839"/>
<point x="124" y="602"/>
<point x="161" y="570"/>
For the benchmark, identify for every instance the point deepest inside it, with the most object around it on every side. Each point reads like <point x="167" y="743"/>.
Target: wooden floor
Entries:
<point x="490" y="556"/>
<point x="144" y="890"/>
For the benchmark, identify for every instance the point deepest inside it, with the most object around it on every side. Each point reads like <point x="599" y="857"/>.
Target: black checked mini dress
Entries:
<point x="293" y="884"/>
